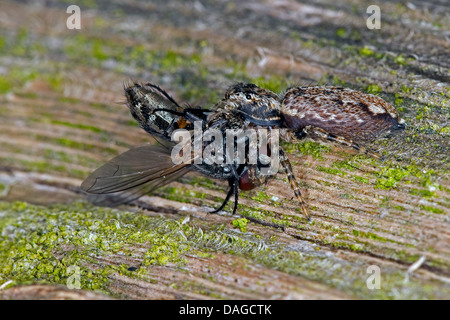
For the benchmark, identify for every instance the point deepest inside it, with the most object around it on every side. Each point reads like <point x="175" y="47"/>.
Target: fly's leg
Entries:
<point x="234" y="189"/>
<point x="224" y="203"/>
<point x="341" y="140"/>
<point x="236" y="194"/>
<point x="286" y="165"/>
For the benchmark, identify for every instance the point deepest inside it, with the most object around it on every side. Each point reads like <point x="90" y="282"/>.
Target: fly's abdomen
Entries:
<point x="154" y="110"/>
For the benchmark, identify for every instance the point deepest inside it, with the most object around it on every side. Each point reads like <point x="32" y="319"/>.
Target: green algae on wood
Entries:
<point x="40" y="244"/>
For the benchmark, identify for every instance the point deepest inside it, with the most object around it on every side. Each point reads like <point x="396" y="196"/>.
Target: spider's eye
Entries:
<point x="248" y="97"/>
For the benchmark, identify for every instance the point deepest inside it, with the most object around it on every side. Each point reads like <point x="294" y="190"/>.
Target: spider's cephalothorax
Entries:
<point x="249" y="106"/>
<point x="254" y="104"/>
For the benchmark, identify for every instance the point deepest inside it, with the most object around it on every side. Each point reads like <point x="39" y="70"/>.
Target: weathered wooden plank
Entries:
<point x="62" y="115"/>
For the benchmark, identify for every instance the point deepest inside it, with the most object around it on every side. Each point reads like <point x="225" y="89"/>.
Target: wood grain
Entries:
<point x="62" y="115"/>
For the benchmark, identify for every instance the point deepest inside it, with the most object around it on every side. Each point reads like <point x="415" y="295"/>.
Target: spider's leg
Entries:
<point x="341" y="140"/>
<point x="286" y="164"/>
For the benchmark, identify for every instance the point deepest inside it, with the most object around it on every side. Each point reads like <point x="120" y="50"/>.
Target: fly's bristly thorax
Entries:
<point x="338" y="111"/>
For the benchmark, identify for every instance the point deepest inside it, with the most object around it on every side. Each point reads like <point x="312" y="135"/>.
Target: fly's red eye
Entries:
<point x="245" y="183"/>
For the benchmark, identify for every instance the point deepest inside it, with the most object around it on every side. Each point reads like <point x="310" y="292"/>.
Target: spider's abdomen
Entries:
<point x="339" y="111"/>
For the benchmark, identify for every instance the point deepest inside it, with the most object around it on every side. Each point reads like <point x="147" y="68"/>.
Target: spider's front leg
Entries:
<point x="287" y="167"/>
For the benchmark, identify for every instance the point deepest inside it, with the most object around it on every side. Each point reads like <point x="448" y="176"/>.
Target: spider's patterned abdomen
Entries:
<point x="338" y="111"/>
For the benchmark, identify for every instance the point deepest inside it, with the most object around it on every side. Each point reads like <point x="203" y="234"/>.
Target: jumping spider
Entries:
<point x="331" y="113"/>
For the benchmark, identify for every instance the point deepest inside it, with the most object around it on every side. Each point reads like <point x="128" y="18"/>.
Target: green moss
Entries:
<point x="185" y="195"/>
<point x="261" y="197"/>
<point x="373" y="89"/>
<point x="3" y="189"/>
<point x="44" y="167"/>
<point x="3" y="41"/>
<point x="369" y="235"/>
<point x="16" y="78"/>
<point x="241" y="223"/>
<point x="366" y="51"/>
<point x="51" y="154"/>
<point x="254" y="213"/>
<point x="422" y="193"/>
<point x="197" y="91"/>
<point x="79" y="47"/>
<point x="400" y="60"/>
<point x="341" y="33"/>
<point x="389" y="177"/>
<point x="361" y="179"/>
<point x="346" y="245"/>
<point x="398" y="207"/>
<point x="73" y="144"/>
<point x="5" y="84"/>
<point x="331" y="171"/>
<point x="201" y="181"/>
<point x="308" y="147"/>
<point x="55" y="80"/>
<point x="349" y="196"/>
<point x="140" y="53"/>
<point x="32" y="237"/>
<point x="432" y="209"/>
<point x="406" y="89"/>
<point x="445" y="130"/>
<point x="47" y="244"/>
<point x="398" y="101"/>
<point x="29" y="257"/>
<point x="275" y="84"/>
<point x="77" y="125"/>
<point x="98" y="52"/>
<point x="27" y="95"/>
<point x="69" y="100"/>
<point x="344" y="165"/>
<point x="66" y="142"/>
<point x="20" y="44"/>
<point x="334" y="80"/>
<point x="171" y="60"/>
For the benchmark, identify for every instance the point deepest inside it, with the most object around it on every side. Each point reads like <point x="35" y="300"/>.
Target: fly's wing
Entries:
<point x="132" y="174"/>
